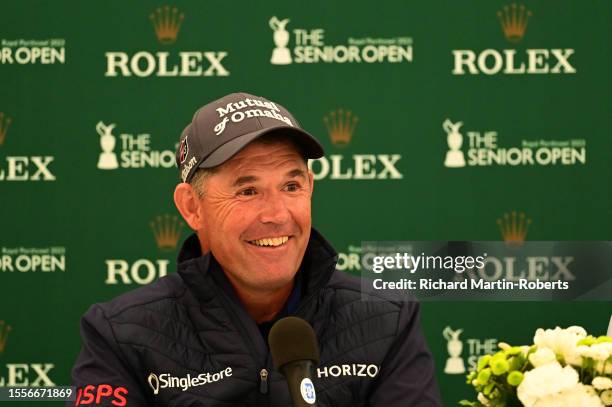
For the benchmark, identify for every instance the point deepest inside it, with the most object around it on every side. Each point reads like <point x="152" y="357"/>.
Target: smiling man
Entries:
<point x="199" y="336"/>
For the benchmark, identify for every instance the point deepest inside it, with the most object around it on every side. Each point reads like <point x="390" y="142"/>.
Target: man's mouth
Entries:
<point x="269" y="241"/>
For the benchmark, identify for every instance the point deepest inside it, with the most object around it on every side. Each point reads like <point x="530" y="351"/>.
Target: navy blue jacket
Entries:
<point x="186" y="340"/>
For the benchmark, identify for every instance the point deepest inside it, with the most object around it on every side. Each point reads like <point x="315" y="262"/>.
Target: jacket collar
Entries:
<point x="317" y="266"/>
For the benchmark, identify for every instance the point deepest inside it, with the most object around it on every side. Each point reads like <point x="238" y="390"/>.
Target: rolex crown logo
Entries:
<point x="513" y="20"/>
<point x="167" y="231"/>
<point x="5" y="122"/>
<point x="514" y="228"/>
<point x="167" y="23"/>
<point x="340" y="125"/>
<point x="4" y="331"/>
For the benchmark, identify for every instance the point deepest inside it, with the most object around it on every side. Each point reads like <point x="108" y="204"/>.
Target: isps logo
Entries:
<point x="341" y="125"/>
<point x="101" y="394"/>
<point x="166" y="231"/>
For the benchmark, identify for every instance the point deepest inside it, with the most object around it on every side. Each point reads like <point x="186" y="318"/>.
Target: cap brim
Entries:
<point x="310" y="146"/>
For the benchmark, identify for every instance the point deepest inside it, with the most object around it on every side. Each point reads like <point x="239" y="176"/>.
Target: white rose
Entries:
<point x="581" y="395"/>
<point x="590" y="390"/>
<point x="602" y="351"/>
<point x="577" y="396"/>
<point x="546" y="380"/>
<point x="577" y="330"/>
<point x="542" y="356"/>
<point x="562" y="342"/>
<point x="597" y="351"/>
<point x="602" y="383"/>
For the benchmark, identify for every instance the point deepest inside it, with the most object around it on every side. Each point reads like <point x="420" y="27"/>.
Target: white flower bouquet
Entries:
<point x="564" y="367"/>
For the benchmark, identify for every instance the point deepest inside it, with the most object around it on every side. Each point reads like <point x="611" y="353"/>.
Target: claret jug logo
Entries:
<point x="454" y="364"/>
<point x="134" y="150"/>
<point x="514" y="19"/>
<point x="108" y="159"/>
<point x="341" y="125"/>
<point x="311" y="47"/>
<point x="513" y="227"/>
<point x="281" y="54"/>
<point x="475" y="349"/>
<point x="21" y="167"/>
<point x="454" y="156"/>
<point x="166" y="230"/>
<point x="22" y="374"/>
<point x="484" y="149"/>
<point x="167" y="21"/>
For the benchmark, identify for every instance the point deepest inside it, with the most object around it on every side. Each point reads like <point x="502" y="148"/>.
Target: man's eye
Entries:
<point x="292" y="187"/>
<point x="247" y="192"/>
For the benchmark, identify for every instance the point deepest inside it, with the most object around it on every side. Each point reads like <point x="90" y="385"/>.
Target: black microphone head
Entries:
<point x="292" y="339"/>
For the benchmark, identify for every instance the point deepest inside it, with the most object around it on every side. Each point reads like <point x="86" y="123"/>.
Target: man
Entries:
<point x="199" y="336"/>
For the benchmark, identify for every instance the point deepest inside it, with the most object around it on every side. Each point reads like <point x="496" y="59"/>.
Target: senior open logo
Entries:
<point x="310" y="46"/>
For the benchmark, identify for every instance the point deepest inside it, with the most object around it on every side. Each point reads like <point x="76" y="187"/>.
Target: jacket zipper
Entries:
<point x="263" y="381"/>
<point x="263" y="373"/>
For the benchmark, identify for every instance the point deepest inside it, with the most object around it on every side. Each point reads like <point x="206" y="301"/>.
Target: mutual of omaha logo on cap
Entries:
<point x="249" y="108"/>
<point x="222" y="128"/>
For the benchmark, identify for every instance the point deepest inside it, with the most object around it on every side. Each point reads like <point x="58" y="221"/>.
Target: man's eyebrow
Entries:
<point x="296" y="173"/>
<point x="244" y="180"/>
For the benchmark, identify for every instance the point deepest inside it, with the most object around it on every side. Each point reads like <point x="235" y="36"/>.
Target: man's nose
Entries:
<point x="274" y="209"/>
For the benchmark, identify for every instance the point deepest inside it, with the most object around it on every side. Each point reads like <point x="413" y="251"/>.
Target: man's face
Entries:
<point x="256" y="215"/>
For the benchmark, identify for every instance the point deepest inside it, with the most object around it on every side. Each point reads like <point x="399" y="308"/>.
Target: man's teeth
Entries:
<point x="271" y="241"/>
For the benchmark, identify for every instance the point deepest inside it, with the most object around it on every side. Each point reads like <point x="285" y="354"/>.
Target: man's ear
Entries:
<point x="188" y="204"/>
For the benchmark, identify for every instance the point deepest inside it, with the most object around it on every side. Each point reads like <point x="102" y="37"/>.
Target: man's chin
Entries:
<point x="274" y="278"/>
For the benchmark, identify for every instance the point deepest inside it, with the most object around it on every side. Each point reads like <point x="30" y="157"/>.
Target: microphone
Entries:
<point x="295" y="354"/>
